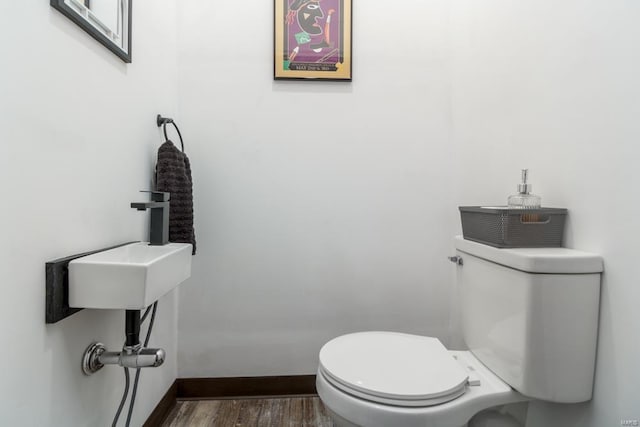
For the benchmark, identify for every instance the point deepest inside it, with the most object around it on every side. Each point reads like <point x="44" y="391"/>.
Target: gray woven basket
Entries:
<point x="513" y="228"/>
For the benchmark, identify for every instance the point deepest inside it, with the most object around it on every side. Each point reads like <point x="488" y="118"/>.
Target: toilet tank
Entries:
<point x="531" y="316"/>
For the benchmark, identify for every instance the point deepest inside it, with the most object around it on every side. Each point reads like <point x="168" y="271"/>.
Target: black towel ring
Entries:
<point x="162" y="121"/>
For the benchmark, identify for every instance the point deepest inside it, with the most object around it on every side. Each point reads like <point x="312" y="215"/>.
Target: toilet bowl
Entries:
<point x="529" y="318"/>
<point x="381" y="379"/>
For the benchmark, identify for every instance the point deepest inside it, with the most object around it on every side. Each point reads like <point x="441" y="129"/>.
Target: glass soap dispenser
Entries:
<point x="524" y="199"/>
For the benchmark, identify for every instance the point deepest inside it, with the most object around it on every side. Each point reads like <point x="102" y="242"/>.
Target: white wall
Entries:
<point x="306" y="233"/>
<point x="553" y="86"/>
<point x="78" y="135"/>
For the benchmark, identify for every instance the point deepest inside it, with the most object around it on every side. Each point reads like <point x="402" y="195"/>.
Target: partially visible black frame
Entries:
<point x="73" y="16"/>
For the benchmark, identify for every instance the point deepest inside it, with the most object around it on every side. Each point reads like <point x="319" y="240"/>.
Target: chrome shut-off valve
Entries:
<point x="96" y="356"/>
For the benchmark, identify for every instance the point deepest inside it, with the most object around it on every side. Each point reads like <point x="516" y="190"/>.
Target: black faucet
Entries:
<point x="159" y="225"/>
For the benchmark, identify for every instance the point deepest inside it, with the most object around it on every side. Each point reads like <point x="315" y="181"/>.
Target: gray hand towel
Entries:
<point x="173" y="175"/>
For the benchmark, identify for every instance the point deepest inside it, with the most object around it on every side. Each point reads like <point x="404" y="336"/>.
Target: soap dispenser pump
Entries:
<point x="524" y="199"/>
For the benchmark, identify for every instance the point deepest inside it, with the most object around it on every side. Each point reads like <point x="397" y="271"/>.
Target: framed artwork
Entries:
<point x="107" y="21"/>
<point x="312" y="39"/>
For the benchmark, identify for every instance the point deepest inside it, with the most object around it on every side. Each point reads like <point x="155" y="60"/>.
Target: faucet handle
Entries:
<point x="158" y="196"/>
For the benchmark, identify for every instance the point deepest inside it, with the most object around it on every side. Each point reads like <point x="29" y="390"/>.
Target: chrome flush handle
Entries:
<point x="456" y="259"/>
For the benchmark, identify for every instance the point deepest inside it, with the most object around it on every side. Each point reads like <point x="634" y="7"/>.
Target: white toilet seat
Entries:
<point x="393" y="369"/>
<point x="349" y="406"/>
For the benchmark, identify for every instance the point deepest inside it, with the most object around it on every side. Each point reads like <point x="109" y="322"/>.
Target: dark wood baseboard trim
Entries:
<point x="164" y="407"/>
<point x="230" y="388"/>
<point x="243" y="387"/>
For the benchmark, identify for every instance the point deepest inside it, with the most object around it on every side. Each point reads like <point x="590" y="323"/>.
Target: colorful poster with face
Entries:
<point x="312" y="39"/>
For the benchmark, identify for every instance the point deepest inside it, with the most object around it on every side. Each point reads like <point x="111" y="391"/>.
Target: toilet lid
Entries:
<point x="393" y="368"/>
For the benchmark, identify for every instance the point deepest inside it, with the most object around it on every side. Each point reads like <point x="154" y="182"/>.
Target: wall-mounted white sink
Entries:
<point x="129" y="277"/>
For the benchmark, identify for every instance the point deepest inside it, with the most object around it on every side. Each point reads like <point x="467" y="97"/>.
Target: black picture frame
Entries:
<point x="63" y="8"/>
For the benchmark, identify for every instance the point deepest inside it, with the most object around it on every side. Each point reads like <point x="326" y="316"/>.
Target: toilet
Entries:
<point x="529" y="318"/>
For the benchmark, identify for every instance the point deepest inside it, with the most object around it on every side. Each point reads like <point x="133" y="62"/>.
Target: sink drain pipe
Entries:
<point x="132" y="328"/>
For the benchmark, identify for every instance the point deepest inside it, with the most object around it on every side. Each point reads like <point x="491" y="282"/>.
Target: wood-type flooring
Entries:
<point x="268" y="412"/>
